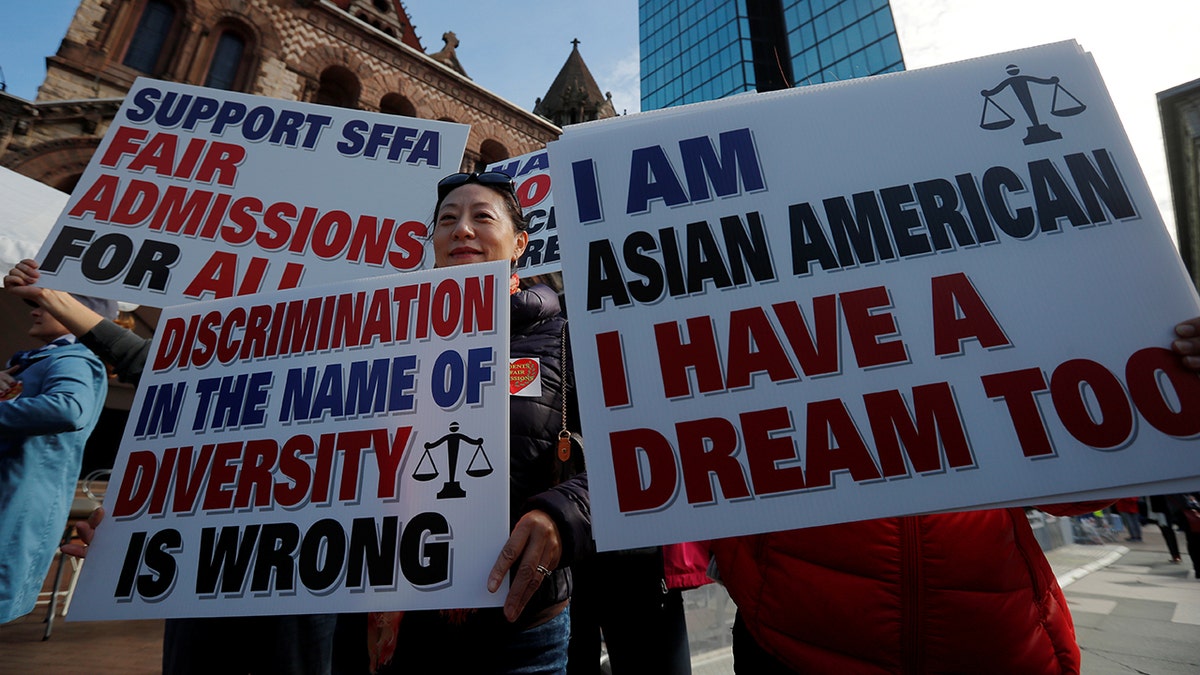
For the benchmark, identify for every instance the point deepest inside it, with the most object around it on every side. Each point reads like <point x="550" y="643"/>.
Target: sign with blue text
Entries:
<point x="923" y="291"/>
<point x="197" y="193"/>
<point x="531" y="172"/>
<point x="329" y="449"/>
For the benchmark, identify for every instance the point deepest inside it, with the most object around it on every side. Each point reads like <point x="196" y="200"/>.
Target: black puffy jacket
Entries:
<point x="537" y="333"/>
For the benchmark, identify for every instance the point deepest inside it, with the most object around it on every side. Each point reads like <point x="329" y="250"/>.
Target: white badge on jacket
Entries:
<point x="525" y="377"/>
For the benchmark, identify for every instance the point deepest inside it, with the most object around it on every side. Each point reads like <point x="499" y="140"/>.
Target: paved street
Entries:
<point x="1135" y="613"/>
<point x="1141" y="614"/>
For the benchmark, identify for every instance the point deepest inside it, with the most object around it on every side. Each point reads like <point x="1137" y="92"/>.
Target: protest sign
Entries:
<point x="915" y="292"/>
<point x="196" y="193"/>
<point x="30" y="209"/>
<point x="532" y="175"/>
<point x="333" y="449"/>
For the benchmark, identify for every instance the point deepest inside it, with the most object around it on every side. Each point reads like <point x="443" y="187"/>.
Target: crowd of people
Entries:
<point x="818" y="600"/>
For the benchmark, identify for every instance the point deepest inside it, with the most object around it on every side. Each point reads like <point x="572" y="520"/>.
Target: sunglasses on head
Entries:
<point x="493" y="179"/>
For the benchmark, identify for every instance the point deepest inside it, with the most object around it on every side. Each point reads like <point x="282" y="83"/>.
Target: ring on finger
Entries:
<point x="544" y="570"/>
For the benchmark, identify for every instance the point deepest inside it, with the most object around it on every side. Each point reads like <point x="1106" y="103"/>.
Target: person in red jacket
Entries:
<point x="1127" y="509"/>
<point x="967" y="592"/>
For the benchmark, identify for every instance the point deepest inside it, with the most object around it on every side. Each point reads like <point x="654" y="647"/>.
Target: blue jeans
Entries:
<point x="541" y="650"/>
<point x="1133" y="525"/>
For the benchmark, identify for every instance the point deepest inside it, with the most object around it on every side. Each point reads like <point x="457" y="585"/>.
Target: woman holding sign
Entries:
<point x="478" y="218"/>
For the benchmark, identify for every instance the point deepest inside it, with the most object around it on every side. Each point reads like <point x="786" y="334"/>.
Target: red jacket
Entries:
<point x="1127" y="505"/>
<point x="966" y="592"/>
<point x="685" y="566"/>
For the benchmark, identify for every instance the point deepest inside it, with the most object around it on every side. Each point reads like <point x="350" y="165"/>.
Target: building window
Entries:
<point x="395" y="104"/>
<point x="338" y="87"/>
<point x="146" y="47"/>
<point x="490" y="152"/>
<point x="226" y="61"/>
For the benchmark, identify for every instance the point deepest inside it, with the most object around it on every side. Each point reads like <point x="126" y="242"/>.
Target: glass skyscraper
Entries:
<point x="699" y="50"/>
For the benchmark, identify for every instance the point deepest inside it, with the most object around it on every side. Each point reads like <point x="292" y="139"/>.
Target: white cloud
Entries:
<point x="624" y="81"/>
<point x="1140" y="48"/>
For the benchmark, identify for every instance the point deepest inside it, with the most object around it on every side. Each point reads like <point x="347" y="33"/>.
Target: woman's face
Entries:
<point x="45" y="327"/>
<point x="472" y="225"/>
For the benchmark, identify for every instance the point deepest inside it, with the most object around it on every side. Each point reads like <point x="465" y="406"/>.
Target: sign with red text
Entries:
<point x="924" y="291"/>
<point x="333" y="449"/>
<point x="197" y="193"/>
<point x="531" y="172"/>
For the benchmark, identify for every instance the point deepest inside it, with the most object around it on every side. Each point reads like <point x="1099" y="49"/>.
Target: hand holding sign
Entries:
<point x="534" y="547"/>
<point x="1187" y="344"/>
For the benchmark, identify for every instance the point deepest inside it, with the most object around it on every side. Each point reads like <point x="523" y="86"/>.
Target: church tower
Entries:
<point x="574" y="96"/>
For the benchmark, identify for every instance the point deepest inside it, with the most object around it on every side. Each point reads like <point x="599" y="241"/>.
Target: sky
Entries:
<point x="515" y="49"/>
<point x="1141" y="48"/>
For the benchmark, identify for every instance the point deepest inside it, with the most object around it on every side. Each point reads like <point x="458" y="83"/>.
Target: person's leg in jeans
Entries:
<point x="1132" y="524"/>
<point x="541" y="650"/>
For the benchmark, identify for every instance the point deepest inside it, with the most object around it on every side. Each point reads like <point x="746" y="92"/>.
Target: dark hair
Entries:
<point x="511" y="205"/>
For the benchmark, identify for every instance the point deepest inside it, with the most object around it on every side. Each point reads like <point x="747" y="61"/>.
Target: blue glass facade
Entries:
<point x="699" y="50"/>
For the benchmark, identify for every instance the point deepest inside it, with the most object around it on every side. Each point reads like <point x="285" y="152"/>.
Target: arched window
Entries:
<point x="146" y="48"/>
<point x="395" y="104"/>
<point x="490" y="152"/>
<point x="226" y="61"/>
<point x="338" y="87"/>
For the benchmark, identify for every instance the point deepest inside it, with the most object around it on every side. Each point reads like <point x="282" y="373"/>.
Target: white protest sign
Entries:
<point x="196" y="193"/>
<point x="333" y="449"/>
<point x="30" y="209"/>
<point x="903" y="294"/>
<point x="532" y="175"/>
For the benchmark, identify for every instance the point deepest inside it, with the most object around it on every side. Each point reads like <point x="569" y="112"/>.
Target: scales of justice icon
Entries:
<point x="478" y="467"/>
<point x="1063" y="104"/>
